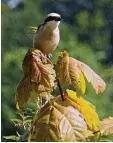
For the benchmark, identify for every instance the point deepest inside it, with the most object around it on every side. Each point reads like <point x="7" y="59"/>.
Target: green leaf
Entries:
<point x="27" y="121"/>
<point x="16" y="120"/>
<point x="13" y="137"/>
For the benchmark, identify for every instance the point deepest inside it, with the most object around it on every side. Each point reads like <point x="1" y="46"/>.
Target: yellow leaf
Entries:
<point x="87" y="110"/>
<point x="65" y="121"/>
<point x="74" y="74"/>
<point x="58" y="121"/>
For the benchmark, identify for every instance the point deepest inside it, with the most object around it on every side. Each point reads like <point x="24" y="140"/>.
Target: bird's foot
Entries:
<point x="49" y="56"/>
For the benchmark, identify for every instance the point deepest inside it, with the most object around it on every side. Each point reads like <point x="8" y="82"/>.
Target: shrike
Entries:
<point x="47" y="36"/>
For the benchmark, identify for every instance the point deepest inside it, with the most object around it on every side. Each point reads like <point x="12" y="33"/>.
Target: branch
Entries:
<point x="60" y="89"/>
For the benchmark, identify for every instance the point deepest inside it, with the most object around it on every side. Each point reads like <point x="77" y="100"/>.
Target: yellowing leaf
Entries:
<point x="65" y="121"/>
<point x="107" y="126"/>
<point x="58" y="121"/>
<point x="74" y="74"/>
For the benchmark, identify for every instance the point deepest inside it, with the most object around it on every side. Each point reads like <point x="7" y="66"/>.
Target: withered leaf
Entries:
<point x="107" y="126"/>
<point x="38" y="80"/>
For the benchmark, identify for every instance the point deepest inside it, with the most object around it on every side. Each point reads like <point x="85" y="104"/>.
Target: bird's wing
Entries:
<point x="96" y="81"/>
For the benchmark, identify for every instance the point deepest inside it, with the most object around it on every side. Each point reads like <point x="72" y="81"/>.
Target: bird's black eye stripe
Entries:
<point x="50" y="18"/>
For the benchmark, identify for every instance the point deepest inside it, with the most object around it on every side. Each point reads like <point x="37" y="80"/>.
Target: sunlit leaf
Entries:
<point x="16" y="120"/>
<point x="38" y="80"/>
<point x="107" y="126"/>
<point x="15" y="138"/>
<point x="74" y="74"/>
<point x="69" y="121"/>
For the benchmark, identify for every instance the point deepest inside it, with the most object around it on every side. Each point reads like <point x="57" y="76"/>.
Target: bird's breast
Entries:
<point x="47" y="41"/>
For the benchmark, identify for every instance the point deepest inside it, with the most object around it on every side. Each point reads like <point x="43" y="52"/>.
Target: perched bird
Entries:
<point x="73" y="72"/>
<point x="47" y="35"/>
<point x="39" y="75"/>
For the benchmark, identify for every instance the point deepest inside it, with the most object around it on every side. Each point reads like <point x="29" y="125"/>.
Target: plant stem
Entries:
<point x="60" y="89"/>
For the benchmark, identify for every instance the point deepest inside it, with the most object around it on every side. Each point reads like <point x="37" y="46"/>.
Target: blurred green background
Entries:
<point x="86" y="33"/>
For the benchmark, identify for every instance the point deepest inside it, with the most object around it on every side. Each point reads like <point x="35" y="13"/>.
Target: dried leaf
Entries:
<point x="96" y="81"/>
<point x="107" y="126"/>
<point x="74" y="73"/>
<point x="38" y="80"/>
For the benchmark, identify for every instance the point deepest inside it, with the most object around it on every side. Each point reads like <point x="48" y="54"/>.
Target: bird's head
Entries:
<point x="52" y="20"/>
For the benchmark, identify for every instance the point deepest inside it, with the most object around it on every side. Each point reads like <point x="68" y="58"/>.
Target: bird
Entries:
<point x="39" y="75"/>
<point x="47" y="35"/>
<point x="73" y="72"/>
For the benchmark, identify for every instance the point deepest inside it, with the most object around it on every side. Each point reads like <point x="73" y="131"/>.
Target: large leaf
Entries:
<point x="57" y="122"/>
<point x="64" y="121"/>
<point x="38" y="80"/>
<point x="74" y="73"/>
